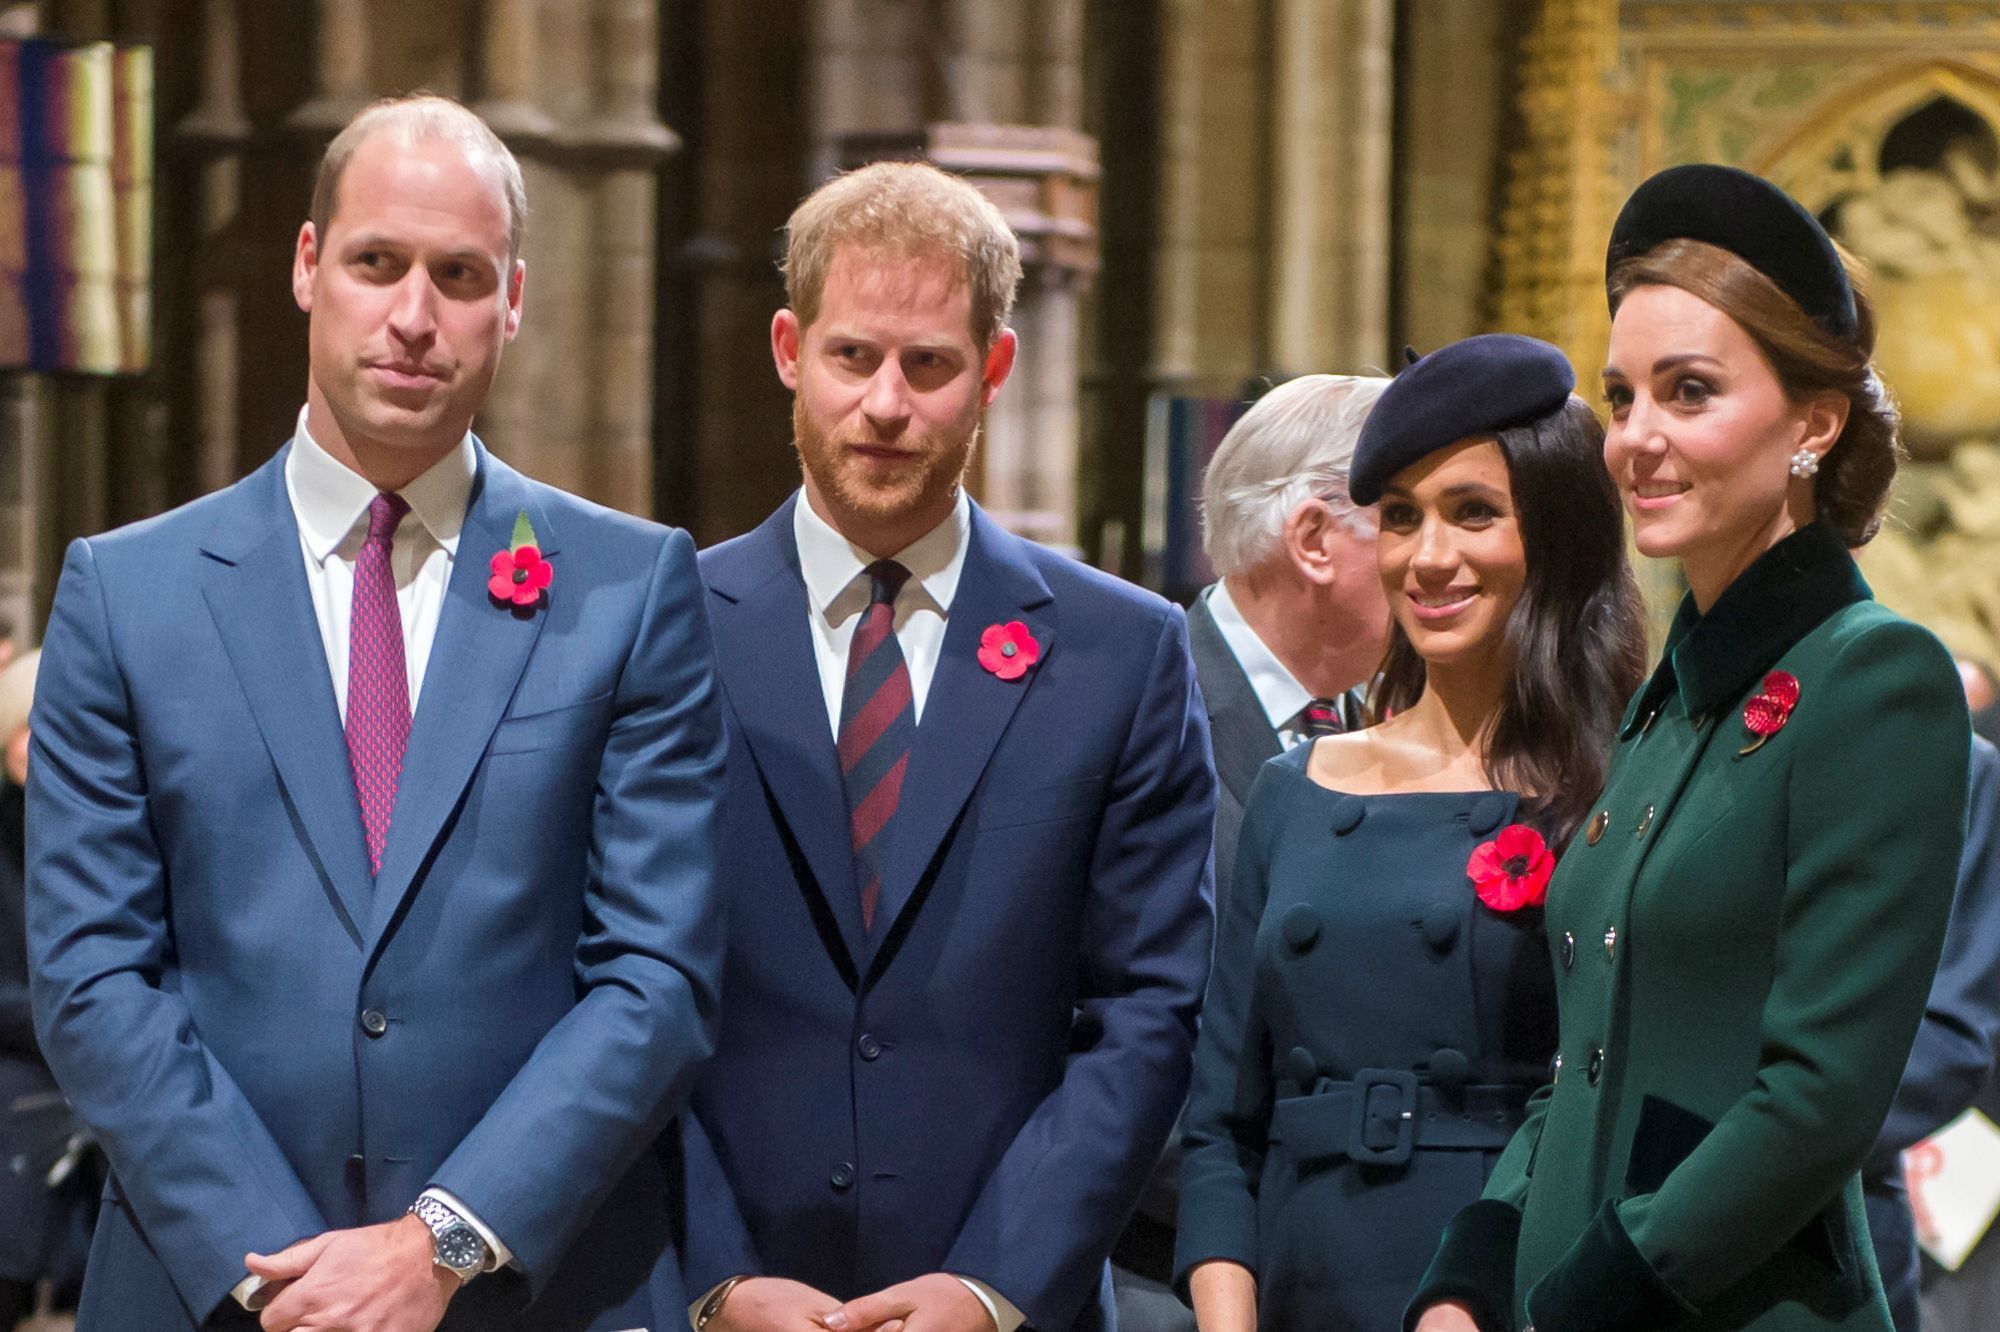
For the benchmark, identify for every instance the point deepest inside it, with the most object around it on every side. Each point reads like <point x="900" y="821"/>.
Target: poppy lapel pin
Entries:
<point x="1008" y="650"/>
<point x="1512" y="871"/>
<point x="1769" y="709"/>
<point x="519" y="573"/>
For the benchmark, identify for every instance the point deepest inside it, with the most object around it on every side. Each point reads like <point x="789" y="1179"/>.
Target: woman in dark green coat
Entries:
<point x="1746" y="931"/>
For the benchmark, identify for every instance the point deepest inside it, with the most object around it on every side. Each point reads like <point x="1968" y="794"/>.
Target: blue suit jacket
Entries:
<point x="541" y="946"/>
<point x="980" y="1084"/>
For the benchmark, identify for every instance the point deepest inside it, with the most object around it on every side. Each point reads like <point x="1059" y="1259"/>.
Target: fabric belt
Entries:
<point x="1382" y="1116"/>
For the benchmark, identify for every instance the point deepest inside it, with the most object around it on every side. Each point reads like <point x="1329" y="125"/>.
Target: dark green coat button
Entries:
<point x="1568" y="950"/>
<point x="1595" y="1069"/>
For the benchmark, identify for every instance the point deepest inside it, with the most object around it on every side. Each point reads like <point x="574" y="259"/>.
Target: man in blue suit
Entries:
<point x="371" y="830"/>
<point x="968" y="823"/>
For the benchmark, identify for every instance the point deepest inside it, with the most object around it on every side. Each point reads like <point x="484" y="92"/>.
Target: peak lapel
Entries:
<point x="968" y="707"/>
<point x="763" y="643"/>
<point x="476" y="660"/>
<point x="256" y="591"/>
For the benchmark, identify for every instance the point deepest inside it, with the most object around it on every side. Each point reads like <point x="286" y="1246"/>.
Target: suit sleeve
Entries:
<point x="606" y="1079"/>
<point x="1960" y="1033"/>
<point x="1055" y="1202"/>
<point x="194" y="1163"/>
<point x="1870" y="867"/>
<point x="1229" y="1108"/>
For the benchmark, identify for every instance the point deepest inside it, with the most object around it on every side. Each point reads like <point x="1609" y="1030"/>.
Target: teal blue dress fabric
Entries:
<point x="1358" y="978"/>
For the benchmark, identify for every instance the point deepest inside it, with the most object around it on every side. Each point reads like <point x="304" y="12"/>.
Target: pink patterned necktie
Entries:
<point x="378" y="681"/>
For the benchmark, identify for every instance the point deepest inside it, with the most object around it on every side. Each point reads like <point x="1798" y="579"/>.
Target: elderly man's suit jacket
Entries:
<point x="979" y="1084"/>
<point x="272" y="1042"/>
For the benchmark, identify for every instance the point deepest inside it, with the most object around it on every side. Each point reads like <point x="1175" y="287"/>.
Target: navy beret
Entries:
<point x="1753" y="220"/>
<point x="1479" y="386"/>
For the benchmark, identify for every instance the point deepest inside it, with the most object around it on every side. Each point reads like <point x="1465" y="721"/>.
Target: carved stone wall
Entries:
<point x="1885" y="119"/>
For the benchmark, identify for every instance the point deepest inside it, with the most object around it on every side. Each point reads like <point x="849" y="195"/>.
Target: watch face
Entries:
<point x="459" y="1248"/>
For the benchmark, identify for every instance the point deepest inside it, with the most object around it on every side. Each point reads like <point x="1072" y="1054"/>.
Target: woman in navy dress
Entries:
<point x="1382" y="1004"/>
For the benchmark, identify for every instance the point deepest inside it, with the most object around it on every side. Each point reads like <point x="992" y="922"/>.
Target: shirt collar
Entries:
<point x="1778" y="600"/>
<point x="831" y="564"/>
<point x="1277" y="690"/>
<point x="331" y="499"/>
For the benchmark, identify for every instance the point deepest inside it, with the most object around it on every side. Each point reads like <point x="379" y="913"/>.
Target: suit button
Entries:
<point x="1300" y="927"/>
<point x="1598" y="821"/>
<point x="842" y="1177"/>
<point x="1610" y="942"/>
<point x="1450" y="1068"/>
<point x="1595" y="1069"/>
<point x="1301" y="1067"/>
<point x="373" y="1022"/>
<point x="1645" y="822"/>
<point x="870" y="1048"/>
<point x="1440" y="925"/>
<point x="1556" y="1070"/>
<point x="1568" y="950"/>
<point x="1348" y="811"/>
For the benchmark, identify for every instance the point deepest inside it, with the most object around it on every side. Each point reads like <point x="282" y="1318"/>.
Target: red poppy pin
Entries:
<point x="1512" y="871"/>
<point x="520" y="574"/>
<point x="1766" y="714"/>
<point x="1008" y="650"/>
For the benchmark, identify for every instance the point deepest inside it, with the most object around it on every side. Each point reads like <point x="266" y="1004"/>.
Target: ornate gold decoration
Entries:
<point x="1805" y="94"/>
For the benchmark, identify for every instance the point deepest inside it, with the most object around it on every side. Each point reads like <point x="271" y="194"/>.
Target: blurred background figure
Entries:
<point x="49" y="1175"/>
<point x="1282" y="641"/>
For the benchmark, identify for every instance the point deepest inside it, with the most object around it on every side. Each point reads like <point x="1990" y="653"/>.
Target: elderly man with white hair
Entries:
<point x="1282" y="641"/>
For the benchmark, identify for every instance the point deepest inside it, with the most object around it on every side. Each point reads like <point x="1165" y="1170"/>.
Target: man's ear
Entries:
<point x="786" y="337"/>
<point x="999" y="364"/>
<point x="517" y="281"/>
<point x="1307" y="538"/>
<point x="305" y="263"/>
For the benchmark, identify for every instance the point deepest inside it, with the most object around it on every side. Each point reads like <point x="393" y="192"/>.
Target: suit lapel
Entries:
<point x="771" y="673"/>
<point x="476" y="660"/>
<point x="1240" y="732"/>
<point x="256" y="592"/>
<point x="968" y="707"/>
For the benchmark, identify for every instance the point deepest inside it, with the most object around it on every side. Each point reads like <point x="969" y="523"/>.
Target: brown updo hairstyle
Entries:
<point x="1854" y="475"/>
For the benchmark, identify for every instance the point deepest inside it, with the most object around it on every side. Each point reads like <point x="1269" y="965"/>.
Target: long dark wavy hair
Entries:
<point x="1576" y="637"/>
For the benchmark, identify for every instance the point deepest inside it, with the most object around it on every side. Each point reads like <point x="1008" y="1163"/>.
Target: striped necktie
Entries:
<point x="878" y="724"/>
<point x="1317" y="718"/>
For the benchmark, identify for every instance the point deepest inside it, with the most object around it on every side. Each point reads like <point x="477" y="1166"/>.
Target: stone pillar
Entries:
<point x="1448" y="163"/>
<point x="340" y="66"/>
<point x="1210" y="329"/>
<point x="1331" y="146"/>
<point x="507" y="68"/>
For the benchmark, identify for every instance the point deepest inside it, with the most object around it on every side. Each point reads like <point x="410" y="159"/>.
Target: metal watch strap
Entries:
<point x="440" y="1219"/>
<point x="712" y="1306"/>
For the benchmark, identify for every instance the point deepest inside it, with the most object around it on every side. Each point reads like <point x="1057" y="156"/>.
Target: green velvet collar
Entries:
<point x="1774" y="603"/>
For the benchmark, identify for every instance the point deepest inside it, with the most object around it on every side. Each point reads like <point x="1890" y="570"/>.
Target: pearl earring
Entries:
<point x="1805" y="463"/>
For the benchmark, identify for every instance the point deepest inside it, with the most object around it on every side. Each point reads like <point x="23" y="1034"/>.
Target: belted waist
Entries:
<point x="1383" y="1115"/>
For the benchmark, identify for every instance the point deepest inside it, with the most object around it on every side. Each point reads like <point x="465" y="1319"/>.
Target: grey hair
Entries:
<point x="1294" y="444"/>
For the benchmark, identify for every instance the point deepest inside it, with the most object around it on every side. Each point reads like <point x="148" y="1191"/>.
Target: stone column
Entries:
<point x="340" y="66"/>
<point x="508" y="46"/>
<point x="1331" y="136"/>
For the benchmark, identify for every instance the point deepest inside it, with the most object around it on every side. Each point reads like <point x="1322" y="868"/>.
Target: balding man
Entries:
<point x="371" y="829"/>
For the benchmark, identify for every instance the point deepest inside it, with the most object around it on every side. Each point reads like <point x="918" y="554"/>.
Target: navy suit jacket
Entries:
<point x="270" y="1042"/>
<point x="980" y="1084"/>
<point x="1956" y="1044"/>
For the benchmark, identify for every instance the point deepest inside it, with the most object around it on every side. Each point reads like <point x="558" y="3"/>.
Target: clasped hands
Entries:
<point x="937" y="1302"/>
<point x="371" y="1279"/>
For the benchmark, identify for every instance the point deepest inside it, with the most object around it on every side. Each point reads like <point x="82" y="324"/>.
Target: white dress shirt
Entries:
<point x="330" y="501"/>
<point x="837" y="591"/>
<point x="1280" y="694"/>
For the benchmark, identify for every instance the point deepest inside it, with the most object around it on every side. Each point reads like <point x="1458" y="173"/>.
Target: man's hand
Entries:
<point x="1447" y="1316"/>
<point x="772" y="1304"/>
<point x="939" y="1302"/>
<point x="374" y="1279"/>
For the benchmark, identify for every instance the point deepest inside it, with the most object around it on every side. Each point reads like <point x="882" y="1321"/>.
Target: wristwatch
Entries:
<point x="712" y="1306"/>
<point x="455" y="1246"/>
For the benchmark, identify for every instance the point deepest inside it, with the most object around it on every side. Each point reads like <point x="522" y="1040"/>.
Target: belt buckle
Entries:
<point x="1364" y="1082"/>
